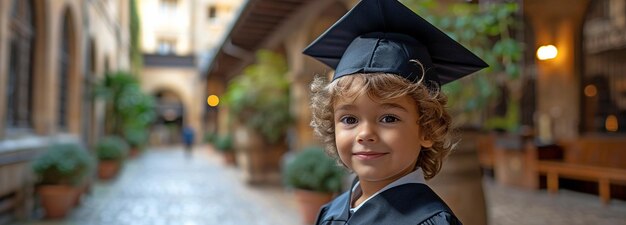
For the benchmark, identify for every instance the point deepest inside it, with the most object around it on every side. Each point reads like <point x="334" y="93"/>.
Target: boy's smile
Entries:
<point x="379" y="140"/>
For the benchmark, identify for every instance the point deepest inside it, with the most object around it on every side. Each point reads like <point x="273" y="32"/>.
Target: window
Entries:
<point x="212" y="13"/>
<point x="64" y="61"/>
<point x="166" y="46"/>
<point x="168" y="7"/>
<point x="20" y="89"/>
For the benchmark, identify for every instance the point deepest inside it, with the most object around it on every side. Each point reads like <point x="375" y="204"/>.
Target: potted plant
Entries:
<point x="137" y="139"/>
<point x="210" y="137"/>
<point x="258" y="104"/>
<point x="111" y="151"/>
<point x="129" y="111"/>
<point x="61" y="171"/>
<point x="224" y="144"/>
<point x="315" y="177"/>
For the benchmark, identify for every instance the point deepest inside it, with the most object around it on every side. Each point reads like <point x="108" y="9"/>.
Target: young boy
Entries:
<point x="383" y="115"/>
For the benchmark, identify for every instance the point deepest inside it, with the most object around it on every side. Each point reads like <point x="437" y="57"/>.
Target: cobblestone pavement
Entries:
<point x="512" y="206"/>
<point x="163" y="186"/>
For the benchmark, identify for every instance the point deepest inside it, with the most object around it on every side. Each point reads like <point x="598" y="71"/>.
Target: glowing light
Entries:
<point x="611" y="124"/>
<point x="213" y="100"/>
<point x="591" y="90"/>
<point x="547" y="52"/>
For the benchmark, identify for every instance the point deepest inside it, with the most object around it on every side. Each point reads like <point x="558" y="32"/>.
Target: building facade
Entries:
<point x="177" y="37"/>
<point x="51" y="55"/>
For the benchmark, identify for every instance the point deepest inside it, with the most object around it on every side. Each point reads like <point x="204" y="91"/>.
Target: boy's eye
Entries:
<point x="348" y="120"/>
<point x="389" y="119"/>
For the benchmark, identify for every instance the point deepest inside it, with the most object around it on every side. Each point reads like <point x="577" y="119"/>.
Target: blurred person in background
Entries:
<point x="188" y="138"/>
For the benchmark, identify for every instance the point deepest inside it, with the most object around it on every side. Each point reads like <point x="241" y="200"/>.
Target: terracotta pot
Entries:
<point x="310" y="203"/>
<point x="81" y="190"/>
<point x="229" y="158"/>
<point x="57" y="200"/>
<point x="107" y="169"/>
<point x="134" y="152"/>
<point x="78" y="192"/>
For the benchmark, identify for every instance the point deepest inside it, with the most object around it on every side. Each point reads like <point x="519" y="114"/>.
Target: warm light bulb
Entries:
<point x="591" y="90"/>
<point x="213" y="100"/>
<point x="547" y="52"/>
<point x="611" y="123"/>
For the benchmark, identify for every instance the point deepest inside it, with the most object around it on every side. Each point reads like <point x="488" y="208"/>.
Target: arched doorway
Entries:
<point x="170" y="115"/>
<point x="603" y="81"/>
<point x="20" y="89"/>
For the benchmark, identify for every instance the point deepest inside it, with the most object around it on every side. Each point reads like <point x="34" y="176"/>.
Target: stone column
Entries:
<point x="558" y="23"/>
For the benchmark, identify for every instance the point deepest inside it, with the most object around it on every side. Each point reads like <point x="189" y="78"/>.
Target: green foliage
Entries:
<point x="129" y="111"/>
<point x="63" y="164"/>
<point x="313" y="170"/>
<point x="112" y="148"/>
<point x="224" y="143"/>
<point x="210" y="137"/>
<point x="136" y="136"/>
<point x="260" y="96"/>
<point x="486" y="29"/>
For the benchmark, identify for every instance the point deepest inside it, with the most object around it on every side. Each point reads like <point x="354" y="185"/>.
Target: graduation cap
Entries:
<point x="385" y="36"/>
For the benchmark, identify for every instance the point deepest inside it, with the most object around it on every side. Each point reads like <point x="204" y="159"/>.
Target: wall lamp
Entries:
<point x="546" y="52"/>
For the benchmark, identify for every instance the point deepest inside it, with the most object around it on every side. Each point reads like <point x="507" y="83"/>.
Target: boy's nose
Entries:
<point x="366" y="134"/>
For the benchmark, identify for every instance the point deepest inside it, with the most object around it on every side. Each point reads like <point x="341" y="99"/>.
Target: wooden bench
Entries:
<point x="598" y="159"/>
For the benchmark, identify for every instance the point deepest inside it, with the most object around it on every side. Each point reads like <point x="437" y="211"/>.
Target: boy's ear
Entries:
<point x="426" y="143"/>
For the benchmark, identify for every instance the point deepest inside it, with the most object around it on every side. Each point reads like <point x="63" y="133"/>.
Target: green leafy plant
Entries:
<point x="136" y="137"/>
<point x="211" y="137"/>
<point x="224" y="143"/>
<point x="129" y="111"/>
<point x="63" y="164"/>
<point x="260" y="96"/>
<point x="112" y="148"/>
<point x="311" y="169"/>
<point x="487" y="30"/>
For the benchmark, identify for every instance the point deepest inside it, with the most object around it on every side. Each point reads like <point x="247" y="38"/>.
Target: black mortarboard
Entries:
<point x="384" y="36"/>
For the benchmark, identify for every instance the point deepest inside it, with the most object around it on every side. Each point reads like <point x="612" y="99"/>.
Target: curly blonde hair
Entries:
<point x="434" y="120"/>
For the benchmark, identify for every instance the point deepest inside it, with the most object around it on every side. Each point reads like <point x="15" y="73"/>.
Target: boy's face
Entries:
<point x="379" y="140"/>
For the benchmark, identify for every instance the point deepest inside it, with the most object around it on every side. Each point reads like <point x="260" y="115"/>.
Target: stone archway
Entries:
<point x="68" y="83"/>
<point x="171" y="112"/>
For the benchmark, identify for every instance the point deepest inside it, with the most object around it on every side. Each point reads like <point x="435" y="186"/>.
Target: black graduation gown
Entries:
<point x="411" y="203"/>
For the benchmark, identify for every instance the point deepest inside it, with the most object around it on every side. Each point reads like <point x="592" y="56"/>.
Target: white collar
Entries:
<point x="417" y="176"/>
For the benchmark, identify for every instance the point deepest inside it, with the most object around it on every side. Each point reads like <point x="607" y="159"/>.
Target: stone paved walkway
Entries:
<point x="512" y="206"/>
<point x="163" y="186"/>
